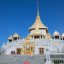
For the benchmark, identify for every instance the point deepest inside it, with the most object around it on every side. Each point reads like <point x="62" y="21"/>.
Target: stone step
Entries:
<point x="18" y="59"/>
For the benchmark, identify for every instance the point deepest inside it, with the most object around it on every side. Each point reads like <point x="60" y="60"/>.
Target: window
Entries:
<point x="41" y="36"/>
<point x="54" y="61"/>
<point x="18" y="50"/>
<point x="56" y="37"/>
<point x="58" y="61"/>
<point x="36" y="37"/>
<point x="12" y="52"/>
<point x="31" y="48"/>
<point x="15" y="38"/>
<point x="10" y="40"/>
<point x="62" y="61"/>
<point x="44" y="36"/>
<point x="41" y="50"/>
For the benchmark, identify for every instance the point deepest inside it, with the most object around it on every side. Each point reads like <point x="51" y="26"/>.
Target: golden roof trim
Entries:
<point x="39" y="23"/>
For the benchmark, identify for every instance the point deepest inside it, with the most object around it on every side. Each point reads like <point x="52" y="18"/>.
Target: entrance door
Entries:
<point x="41" y="50"/>
<point x="18" y="50"/>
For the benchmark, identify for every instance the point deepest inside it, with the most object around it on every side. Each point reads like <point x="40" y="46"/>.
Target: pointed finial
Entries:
<point x="38" y="8"/>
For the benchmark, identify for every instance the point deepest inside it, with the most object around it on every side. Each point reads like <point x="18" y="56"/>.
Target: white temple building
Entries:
<point x="37" y="41"/>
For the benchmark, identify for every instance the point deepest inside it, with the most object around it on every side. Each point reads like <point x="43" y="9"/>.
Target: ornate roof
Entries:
<point x="56" y="33"/>
<point x="16" y="35"/>
<point x="39" y="23"/>
<point x="36" y="31"/>
<point x="10" y="37"/>
<point x="63" y="35"/>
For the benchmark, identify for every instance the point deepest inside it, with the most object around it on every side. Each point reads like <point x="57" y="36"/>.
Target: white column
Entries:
<point x="36" y="50"/>
<point x="33" y="37"/>
<point x="40" y="37"/>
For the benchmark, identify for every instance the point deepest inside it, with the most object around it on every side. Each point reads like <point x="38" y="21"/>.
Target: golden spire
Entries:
<point x="37" y="8"/>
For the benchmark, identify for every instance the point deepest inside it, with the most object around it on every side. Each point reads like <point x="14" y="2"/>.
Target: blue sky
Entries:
<point x="19" y="15"/>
